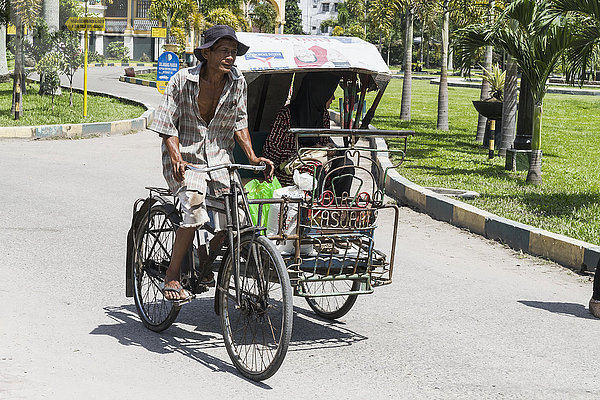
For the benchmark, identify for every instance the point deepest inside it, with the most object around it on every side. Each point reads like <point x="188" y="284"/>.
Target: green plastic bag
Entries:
<point x="261" y="190"/>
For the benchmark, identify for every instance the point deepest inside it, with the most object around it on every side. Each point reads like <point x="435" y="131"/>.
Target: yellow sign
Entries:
<point x="159" y="32"/>
<point x="85" y="24"/>
<point x="162" y="86"/>
<point x="12" y="30"/>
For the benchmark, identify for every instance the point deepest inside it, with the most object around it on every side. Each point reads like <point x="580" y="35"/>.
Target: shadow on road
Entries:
<point x="197" y="330"/>
<point x="572" y="309"/>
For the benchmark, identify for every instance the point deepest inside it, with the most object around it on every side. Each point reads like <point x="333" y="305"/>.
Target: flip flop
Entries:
<point x="181" y="300"/>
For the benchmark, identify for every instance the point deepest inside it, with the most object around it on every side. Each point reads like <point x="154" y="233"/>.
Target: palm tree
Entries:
<point x="586" y="41"/>
<point x="485" y="85"/>
<point x="407" y="80"/>
<point x="50" y="12"/>
<point x="382" y="14"/>
<point x="3" y="62"/>
<point x="4" y="20"/>
<point x="509" y="107"/>
<point x="442" y="116"/>
<point x="24" y="13"/>
<point x="536" y="46"/>
<point x="427" y="12"/>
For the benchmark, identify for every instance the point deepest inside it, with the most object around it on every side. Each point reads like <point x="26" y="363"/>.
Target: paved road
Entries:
<point x="106" y="80"/>
<point x="465" y="317"/>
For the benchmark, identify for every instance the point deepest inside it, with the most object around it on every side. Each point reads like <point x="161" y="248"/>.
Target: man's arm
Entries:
<point x="172" y="143"/>
<point x="243" y="138"/>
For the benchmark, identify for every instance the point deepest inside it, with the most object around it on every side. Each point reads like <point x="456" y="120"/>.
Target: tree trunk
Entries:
<point x="422" y="44"/>
<point x="509" y="107"/>
<point x="50" y="14"/>
<point x="534" y="175"/>
<point x="485" y="85"/>
<point x="524" y="116"/>
<point x="407" y="81"/>
<point x="442" y="117"/>
<point x="388" y="52"/>
<point x="18" y="73"/>
<point x="428" y="54"/>
<point x="3" y="62"/>
<point x="484" y="95"/>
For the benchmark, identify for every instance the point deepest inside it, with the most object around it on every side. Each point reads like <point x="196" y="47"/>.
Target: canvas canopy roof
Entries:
<point x="285" y="53"/>
<point x="274" y="60"/>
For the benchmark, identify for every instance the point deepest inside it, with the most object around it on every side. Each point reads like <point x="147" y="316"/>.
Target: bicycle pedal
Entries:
<point x="180" y="303"/>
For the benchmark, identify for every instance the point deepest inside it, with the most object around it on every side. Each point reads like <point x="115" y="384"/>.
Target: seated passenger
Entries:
<point x="307" y="110"/>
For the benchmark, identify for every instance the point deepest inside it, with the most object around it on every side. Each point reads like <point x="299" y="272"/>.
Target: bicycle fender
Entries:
<point x="138" y="214"/>
<point x="220" y="278"/>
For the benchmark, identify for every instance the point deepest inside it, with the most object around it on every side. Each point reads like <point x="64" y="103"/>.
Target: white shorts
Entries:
<point x="195" y="214"/>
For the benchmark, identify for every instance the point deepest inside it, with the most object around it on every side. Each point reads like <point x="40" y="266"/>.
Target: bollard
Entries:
<point x="18" y="100"/>
<point x="492" y="137"/>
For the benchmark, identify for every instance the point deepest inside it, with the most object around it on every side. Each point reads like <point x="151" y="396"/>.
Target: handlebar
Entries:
<point x="230" y="167"/>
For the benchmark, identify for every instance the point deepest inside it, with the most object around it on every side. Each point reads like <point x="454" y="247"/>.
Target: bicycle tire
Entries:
<point x="263" y="314"/>
<point x="153" y="246"/>
<point x="331" y="307"/>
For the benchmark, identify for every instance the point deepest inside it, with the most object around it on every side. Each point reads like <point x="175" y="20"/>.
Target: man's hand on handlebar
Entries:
<point x="179" y="167"/>
<point x="270" y="168"/>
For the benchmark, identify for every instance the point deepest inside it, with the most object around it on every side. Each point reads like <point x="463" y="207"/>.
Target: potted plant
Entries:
<point x="491" y="108"/>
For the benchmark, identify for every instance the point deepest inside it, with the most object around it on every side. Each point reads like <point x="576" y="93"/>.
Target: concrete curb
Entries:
<point x="137" y="81"/>
<point x="571" y="253"/>
<point x="84" y="129"/>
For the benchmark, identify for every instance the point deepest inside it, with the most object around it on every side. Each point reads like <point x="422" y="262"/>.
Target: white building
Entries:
<point x="316" y="11"/>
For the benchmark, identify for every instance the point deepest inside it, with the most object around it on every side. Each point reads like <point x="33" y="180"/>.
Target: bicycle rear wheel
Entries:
<point x="331" y="307"/>
<point x="257" y="332"/>
<point x="153" y="246"/>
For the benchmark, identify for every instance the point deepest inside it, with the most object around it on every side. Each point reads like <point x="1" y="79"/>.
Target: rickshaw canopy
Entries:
<point x="274" y="61"/>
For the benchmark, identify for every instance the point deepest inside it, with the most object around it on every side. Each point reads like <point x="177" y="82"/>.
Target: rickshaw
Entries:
<point x="333" y="258"/>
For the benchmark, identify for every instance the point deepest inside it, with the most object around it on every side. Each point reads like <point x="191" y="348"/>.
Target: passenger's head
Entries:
<point x="314" y="96"/>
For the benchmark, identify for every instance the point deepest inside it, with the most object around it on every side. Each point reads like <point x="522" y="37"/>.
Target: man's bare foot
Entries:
<point x="175" y="292"/>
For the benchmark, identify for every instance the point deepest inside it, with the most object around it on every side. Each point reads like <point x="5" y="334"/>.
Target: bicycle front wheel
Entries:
<point x="257" y="331"/>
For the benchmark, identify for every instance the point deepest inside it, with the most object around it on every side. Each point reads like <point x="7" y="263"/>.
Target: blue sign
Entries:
<point x="168" y="65"/>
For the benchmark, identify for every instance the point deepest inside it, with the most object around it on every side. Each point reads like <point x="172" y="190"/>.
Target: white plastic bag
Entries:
<point x="291" y="220"/>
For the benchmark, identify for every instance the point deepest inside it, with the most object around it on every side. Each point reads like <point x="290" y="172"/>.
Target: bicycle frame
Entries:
<point x="233" y="201"/>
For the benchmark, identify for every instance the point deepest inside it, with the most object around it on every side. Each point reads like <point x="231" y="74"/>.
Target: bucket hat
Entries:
<point x="214" y="34"/>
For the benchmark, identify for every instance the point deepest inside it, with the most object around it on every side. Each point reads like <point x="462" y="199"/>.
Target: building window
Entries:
<point x="324" y="29"/>
<point x="335" y="7"/>
<point x="325" y="7"/>
<point x="143" y="9"/>
<point x="118" y="8"/>
<point x="314" y="28"/>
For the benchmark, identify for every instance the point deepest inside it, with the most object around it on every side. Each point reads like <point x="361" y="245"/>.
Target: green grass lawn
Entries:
<point x="38" y="109"/>
<point x="568" y="201"/>
<point x="151" y="76"/>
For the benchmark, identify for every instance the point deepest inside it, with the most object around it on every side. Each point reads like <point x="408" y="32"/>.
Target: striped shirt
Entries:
<point x="199" y="143"/>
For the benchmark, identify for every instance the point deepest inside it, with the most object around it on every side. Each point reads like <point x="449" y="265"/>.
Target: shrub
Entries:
<point x="50" y="66"/>
<point x="95" y="57"/>
<point x="118" y="50"/>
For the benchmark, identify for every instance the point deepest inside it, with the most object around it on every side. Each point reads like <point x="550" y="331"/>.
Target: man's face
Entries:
<point x="221" y="56"/>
